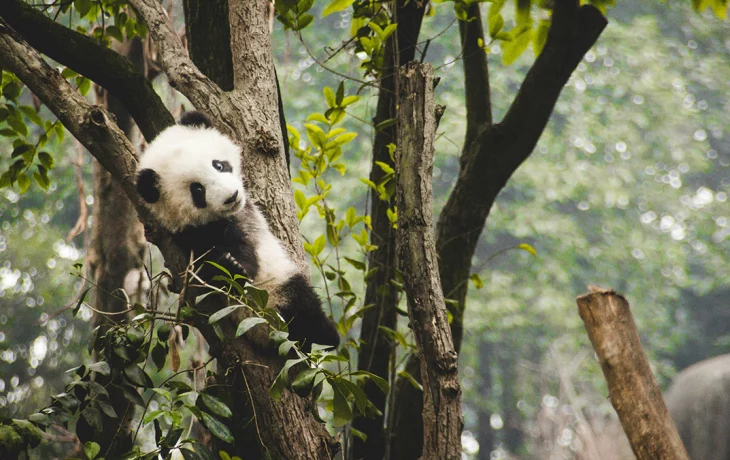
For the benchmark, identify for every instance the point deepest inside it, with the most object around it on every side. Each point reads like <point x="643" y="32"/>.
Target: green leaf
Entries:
<point x="101" y="367"/>
<point x="217" y="428"/>
<point x="84" y="86"/>
<point x="335" y="6"/>
<point x="23" y="183"/>
<point x="329" y="96"/>
<point x="341" y="412"/>
<point x="300" y="199"/>
<point x="115" y="32"/>
<point x="46" y="160"/>
<point x="317" y="117"/>
<point x="68" y="73"/>
<point x="344" y="139"/>
<point x="32" y="115"/>
<point x="340" y="93"/>
<point x="159" y="356"/>
<point x="136" y="375"/>
<point x="406" y="375"/>
<point x="356" y="263"/>
<point x="91" y="449"/>
<point x="496" y="23"/>
<point x="216" y="406"/>
<point x="528" y="248"/>
<point x="11" y="91"/>
<point x="222" y="313"/>
<point x="302" y="385"/>
<point x="319" y="245"/>
<point x="304" y="21"/>
<point x="477" y="280"/>
<point x="379" y="381"/>
<point x="41" y="178"/>
<point x="82" y="6"/>
<point x="540" y="36"/>
<point x="245" y="325"/>
<point x="515" y="48"/>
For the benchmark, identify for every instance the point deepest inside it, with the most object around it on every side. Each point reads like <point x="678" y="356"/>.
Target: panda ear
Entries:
<point x="196" y="119"/>
<point x="148" y="183"/>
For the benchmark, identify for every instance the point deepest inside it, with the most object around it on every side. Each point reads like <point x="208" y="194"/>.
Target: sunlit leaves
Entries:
<point x="336" y="6"/>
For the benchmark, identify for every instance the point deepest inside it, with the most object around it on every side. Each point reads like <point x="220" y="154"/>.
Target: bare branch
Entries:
<point x="86" y="56"/>
<point x="182" y="74"/>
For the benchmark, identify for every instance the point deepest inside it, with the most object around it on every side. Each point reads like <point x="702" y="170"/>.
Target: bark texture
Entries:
<point x="632" y="387"/>
<point x="699" y="403"/>
<point x="209" y="39"/>
<point x="442" y="421"/>
<point x="375" y="353"/>
<point x="492" y="152"/>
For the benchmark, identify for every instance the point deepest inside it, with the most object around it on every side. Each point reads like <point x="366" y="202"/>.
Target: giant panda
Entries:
<point x="190" y="179"/>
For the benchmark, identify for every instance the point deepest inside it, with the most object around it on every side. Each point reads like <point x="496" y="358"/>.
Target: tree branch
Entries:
<point x="86" y="56"/>
<point x="91" y="125"/>
<point x="490" y="159"/>
<point x="573" y="31"/>
<point x="442" y="422"/>
<point x="182" y="74"/>
<point x="632" y="387"/>
<point x="476" y="74"/>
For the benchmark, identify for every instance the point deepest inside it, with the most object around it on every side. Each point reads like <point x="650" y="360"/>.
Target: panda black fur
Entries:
<point x="190" y="178"/>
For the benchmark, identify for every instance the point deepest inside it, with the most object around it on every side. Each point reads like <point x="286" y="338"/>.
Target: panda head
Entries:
<point x="190" y="174"/>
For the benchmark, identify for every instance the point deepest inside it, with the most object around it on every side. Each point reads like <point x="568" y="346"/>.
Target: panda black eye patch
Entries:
<point x="197" y="192"/>
<point x="222" y="166"/>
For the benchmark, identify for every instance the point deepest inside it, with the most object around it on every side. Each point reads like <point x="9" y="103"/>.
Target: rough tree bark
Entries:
<point x="632" y="387"/>
<point x="492" y="152"/>
<point x="249" y="115"/>
<point x="442" y="421"/>
<point x="375" y="353"/>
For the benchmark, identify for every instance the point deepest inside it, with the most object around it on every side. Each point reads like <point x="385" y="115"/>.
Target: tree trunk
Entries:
<point x="632" y="387"/>
<point x="375" y="353"/>
<point x="442" y="421"/>
<point x="490" y="155"/>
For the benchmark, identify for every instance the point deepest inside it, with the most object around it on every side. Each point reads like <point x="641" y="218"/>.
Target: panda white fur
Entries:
<point x="190" y="178"/>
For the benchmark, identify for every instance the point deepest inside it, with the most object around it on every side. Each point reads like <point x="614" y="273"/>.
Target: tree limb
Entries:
<point x="476" y="74"/>
<point x="91" y="125"/>
<point x="182" y="74"/>
<point x="442" y="422"/>
<point x="497" y="150"/>
<point x="632" y="387"/>
<point x="86" y="56"/>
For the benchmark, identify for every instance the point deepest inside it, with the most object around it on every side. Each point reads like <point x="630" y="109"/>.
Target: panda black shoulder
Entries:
<point x="197" y="119"/>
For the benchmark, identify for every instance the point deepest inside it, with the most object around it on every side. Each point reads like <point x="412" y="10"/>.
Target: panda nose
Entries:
<point x="232" y="198"/>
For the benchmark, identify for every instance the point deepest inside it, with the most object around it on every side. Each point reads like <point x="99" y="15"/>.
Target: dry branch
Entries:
<point x="442" y="422"/>
<point x="632" y="387"/>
